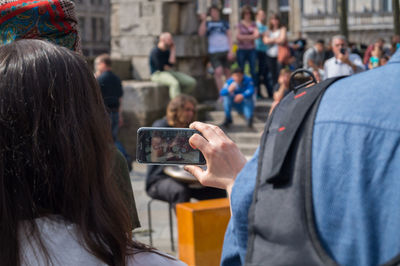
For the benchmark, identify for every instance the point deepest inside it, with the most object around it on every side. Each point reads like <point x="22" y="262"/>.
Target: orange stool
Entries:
<point x="201" y="231"/>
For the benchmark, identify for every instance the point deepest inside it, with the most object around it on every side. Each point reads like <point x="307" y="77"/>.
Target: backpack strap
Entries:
<point x="279" y="134"/>
<point x="284" y="124"/>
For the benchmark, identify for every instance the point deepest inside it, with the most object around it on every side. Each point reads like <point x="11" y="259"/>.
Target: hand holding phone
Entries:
<point x="224" y="159"/>
<point x="157" y="145"/>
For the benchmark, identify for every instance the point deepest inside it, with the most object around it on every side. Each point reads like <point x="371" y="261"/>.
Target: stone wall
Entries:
<point x="142" y="104"/>
<point x="136" y="25"/>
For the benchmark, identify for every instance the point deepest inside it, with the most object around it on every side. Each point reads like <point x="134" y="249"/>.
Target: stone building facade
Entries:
<point x="94" y="24"/>
<point x="367" y="19"/>
<point x="136" y="25"/>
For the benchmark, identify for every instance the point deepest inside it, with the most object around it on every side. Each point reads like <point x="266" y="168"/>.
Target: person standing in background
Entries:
<point x="343" y="63"/>
<point x="111" y="90"/>
<point x="275" y="36"/>
<point x="247" y="32"/>
<point x="261" y="48"/>
<point x="313" y="58"/>
<point x="219" y="43"/>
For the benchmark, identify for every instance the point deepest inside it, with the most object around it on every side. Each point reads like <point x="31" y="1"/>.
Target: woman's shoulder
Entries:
<point x="153" y="259"/>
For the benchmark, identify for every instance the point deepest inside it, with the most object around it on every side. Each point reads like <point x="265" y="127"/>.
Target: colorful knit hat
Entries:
<point x="51" y="20"/>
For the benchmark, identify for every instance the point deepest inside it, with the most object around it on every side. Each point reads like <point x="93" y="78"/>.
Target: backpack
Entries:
<point x="282" y="228"/>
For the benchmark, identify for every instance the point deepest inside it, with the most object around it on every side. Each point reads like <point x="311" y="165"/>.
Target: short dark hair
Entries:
<point x="320" y="41"/>
<point x="104" y="58"/>
<point x="237" y="70"/>
<point x="215" y="7"/>
<point x="247" y="8"/>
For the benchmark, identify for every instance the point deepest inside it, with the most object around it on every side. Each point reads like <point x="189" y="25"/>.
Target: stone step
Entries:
<point x="245" y="137"/>
<point x="239" y="127"/>
<point x="219" y="116"/>
<point x="247" y="149"/>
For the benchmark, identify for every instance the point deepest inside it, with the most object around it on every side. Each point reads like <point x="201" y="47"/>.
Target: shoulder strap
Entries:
<point x="288" y="117"/>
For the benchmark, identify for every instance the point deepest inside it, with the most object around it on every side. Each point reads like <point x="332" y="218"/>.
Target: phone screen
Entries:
<point x="167" y="146"/>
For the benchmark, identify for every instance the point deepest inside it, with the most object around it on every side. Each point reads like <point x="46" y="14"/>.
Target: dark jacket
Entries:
<point x="156" y="172"/>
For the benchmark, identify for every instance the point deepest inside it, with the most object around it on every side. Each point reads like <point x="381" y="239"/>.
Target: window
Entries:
<point x="284" y="9"/>
<point x="94" y="29"/>
<point x="102" y="29"/>
<point x="387" y="5"/>
<point x="81" y="24"/>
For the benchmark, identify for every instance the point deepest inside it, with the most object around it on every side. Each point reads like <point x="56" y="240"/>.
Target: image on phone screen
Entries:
<point x="167" y="146"/>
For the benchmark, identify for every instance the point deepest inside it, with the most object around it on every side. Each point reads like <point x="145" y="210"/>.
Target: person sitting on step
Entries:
<point x="238" y="93"/>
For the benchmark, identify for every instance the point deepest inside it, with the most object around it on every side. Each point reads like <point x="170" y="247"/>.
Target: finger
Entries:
<point x="198" y="142"/>
<point x="206" y="130"/>
<point x="217" y="134"/>
<point x="195" y="171"/>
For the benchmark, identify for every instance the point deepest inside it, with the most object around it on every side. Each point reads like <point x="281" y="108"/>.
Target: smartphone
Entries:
<point x="164" y="145"/>
<point x="343" y="50"/>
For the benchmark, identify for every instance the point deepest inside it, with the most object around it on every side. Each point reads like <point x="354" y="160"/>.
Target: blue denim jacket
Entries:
<point x="356" y="170"/>
<point x="246" y="87"/>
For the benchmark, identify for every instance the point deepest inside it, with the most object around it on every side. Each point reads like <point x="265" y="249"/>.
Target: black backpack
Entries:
<point x="282" y="227"/>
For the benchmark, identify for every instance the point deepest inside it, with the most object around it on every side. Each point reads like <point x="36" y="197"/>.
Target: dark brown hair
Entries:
<point x="265" y="18"/>
<point x="274" y="16"/>
<point x="56" y="152"/>
<point x="247" y="8"/>
<point x="176" y="107"/>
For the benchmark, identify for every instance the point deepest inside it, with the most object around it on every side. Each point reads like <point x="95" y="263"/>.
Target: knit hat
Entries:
<point x="51" y="20"/>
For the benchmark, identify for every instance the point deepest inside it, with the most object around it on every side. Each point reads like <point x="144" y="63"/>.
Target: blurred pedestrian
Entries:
<point x="314" y="57"/>
<point x="343" y="63"/>
<point x="383" y="61"/>
<point x="275" y="36"/>
<point x="395" y="44"/>
<point x="378" y="43"/>
<point x="247" y="33"/>
<point x="219" y="43"/>
<point x="282" y="87"/>
<point x="262" y="76"/>
<point x="376" y="55"/>
<point x="111" y="90"/>
<point x="298" y="48"/>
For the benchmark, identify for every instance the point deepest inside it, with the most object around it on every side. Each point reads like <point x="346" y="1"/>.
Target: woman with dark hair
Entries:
<point x="181" y="111"/>
<point x="274" y="37"/>
<point x="60" y="203"/>
<point x="247" y="33"/>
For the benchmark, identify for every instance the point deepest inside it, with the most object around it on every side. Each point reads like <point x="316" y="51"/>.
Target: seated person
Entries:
<point x="181" y="111"/>
<point x="238" y="93"/>
<point x="162" y="58"/>
<point x="60" y="200"/>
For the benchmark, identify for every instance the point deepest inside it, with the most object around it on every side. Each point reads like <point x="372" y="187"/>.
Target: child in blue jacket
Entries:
<point x="238" y="93"/>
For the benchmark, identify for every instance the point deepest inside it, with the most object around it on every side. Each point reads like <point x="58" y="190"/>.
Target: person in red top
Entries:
<point x="368" y="53"/>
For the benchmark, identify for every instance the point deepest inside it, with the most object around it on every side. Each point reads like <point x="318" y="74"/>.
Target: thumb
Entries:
<point x="195" y="171"/>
